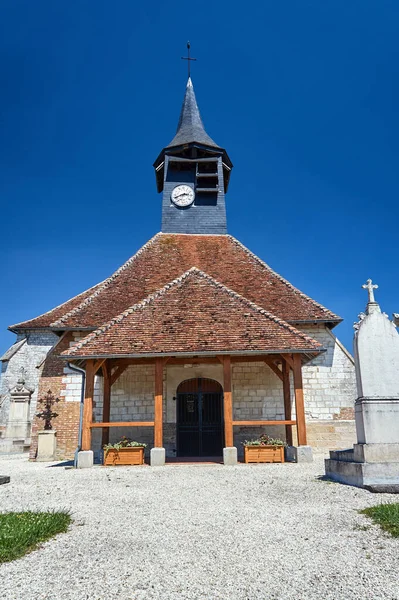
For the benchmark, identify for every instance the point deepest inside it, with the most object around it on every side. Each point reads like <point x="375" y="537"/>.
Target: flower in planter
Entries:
<point x="265" y="440"/>
<point x="124" y="442"/>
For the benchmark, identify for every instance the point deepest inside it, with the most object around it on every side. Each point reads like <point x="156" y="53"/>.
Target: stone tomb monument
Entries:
<point x="17" y="435"/>
<point x="373" y="463"/>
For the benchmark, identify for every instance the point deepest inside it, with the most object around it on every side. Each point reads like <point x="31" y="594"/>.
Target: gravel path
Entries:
<point x="257" y="532"/>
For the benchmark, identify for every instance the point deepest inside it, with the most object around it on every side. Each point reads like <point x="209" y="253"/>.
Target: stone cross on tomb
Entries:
<point x="370" y="287"/>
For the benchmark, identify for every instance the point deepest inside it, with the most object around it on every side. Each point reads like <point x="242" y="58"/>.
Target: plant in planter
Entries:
<point x="264" y="449"/>
<point x="124" y="452"/>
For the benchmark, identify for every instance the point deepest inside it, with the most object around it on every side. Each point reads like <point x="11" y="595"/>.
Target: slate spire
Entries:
<point x="190" y="127"/>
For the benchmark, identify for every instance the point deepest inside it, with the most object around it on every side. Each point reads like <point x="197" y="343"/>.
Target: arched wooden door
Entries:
<point x="199" y="418"/>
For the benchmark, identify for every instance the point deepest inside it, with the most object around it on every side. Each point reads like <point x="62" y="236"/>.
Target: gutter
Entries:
<point x="82" y="397"/>
<point x="199" y="354"/>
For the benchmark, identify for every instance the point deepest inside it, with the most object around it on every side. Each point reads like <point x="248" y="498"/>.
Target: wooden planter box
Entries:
<point x="124" y="456"/>
<point x="264" y="454"/>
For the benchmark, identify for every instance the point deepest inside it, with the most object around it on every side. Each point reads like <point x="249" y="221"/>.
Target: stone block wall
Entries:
<point x="29" y="356"/>
<point x="132" y="399"/>
<point x="329" y="380"/>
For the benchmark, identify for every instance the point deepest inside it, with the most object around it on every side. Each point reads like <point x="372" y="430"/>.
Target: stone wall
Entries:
<point x="132" y="399"/>
<point x="329" y="380"/>
<point x="29" y="356"/>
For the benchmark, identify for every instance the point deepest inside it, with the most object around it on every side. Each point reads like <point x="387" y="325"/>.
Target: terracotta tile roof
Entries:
<point x="44" y="321"/>
<point x="167" y="256"/>
<point x="193" y="314"/>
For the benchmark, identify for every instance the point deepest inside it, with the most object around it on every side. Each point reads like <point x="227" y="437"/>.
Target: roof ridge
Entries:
<point x="151" y="297"/>
<point x="56" y="307"/>
<point x="280" y="277"/>
<point x="105" y="283"/>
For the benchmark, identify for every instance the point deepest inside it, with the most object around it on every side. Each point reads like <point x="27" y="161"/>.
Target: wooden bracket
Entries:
<point x="274" y="368"/>
<point x="98" y="364"/>
<point x="289" y="359"/>
<point x="116" y="374"/>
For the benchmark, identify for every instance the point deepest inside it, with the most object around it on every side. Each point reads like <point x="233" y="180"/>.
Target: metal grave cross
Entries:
<point x="188" y="58"/>
<point x="370" y="287"/>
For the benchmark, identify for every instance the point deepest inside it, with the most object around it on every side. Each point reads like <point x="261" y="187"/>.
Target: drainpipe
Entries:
<point x="82" y="398"/>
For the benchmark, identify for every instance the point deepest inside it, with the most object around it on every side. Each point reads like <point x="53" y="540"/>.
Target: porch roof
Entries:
<point x="193" y="314"/>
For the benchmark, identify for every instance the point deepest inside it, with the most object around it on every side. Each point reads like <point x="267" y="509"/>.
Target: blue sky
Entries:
<point x="303" y="95"/>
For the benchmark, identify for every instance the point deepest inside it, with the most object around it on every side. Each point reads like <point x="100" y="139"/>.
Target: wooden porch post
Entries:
<point x="287" y="401"/>
<point x="227" y="403"/>
<point x="88" y="405"/>
<point x="299" y="402"/>
<point x="106" y="402"/>
<point x="158" y="410"/>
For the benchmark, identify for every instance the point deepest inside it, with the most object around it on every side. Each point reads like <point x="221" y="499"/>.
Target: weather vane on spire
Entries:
<point x="188" y="59"/>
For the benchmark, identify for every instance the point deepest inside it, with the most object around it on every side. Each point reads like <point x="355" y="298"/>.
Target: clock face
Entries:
<point x="182" y="195"/>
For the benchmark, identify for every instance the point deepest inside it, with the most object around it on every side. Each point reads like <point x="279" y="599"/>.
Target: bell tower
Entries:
<point x="193" y="174"/>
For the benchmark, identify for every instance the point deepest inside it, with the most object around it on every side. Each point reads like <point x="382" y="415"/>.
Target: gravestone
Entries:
<point x="373" y="463"/>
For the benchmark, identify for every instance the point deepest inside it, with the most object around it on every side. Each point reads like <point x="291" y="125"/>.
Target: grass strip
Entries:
<point x="386" y="515"/>
<point x="22" y="532"/>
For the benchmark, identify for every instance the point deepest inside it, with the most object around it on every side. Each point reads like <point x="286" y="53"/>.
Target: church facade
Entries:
<point x="192" y="346"/>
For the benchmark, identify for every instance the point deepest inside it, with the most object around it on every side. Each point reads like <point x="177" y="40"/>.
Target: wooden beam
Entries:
<point x="88" y="405"/>
<point x="118" y="362"/>
<point x="123" y="424"/>
<point x="158" y="401"/>
<point x="299" y="401"/>
<point x="116" y="374"/>
<point x="288" y="358"/>
<point x="227" y="403"/>
<point x="254" y="358"/>
<point x="274" y="368"/>
<point x="106" y="401"/>
<point x="98" y="364"/>
<point x="287" y="401"/>
<point x="193" y="361"/>
<point x="252" y="423"/>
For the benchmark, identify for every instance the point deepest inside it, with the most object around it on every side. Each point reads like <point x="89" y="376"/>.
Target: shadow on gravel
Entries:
<point x="65" y="463"/>
<point x="325" y="479"/>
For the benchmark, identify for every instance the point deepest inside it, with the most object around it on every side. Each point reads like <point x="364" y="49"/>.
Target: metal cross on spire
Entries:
<point x="188" y="59"/>
<point x="370" y="287"/>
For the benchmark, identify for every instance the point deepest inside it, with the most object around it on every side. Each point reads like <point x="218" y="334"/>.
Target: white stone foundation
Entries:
<point x="85" y="459"/>
<point x="377" y="420"/>
<point x="157" y="457"/>
<point x="46" y="445"/>
<point x="230" y="456"/>
<point x="299" y="454"/>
